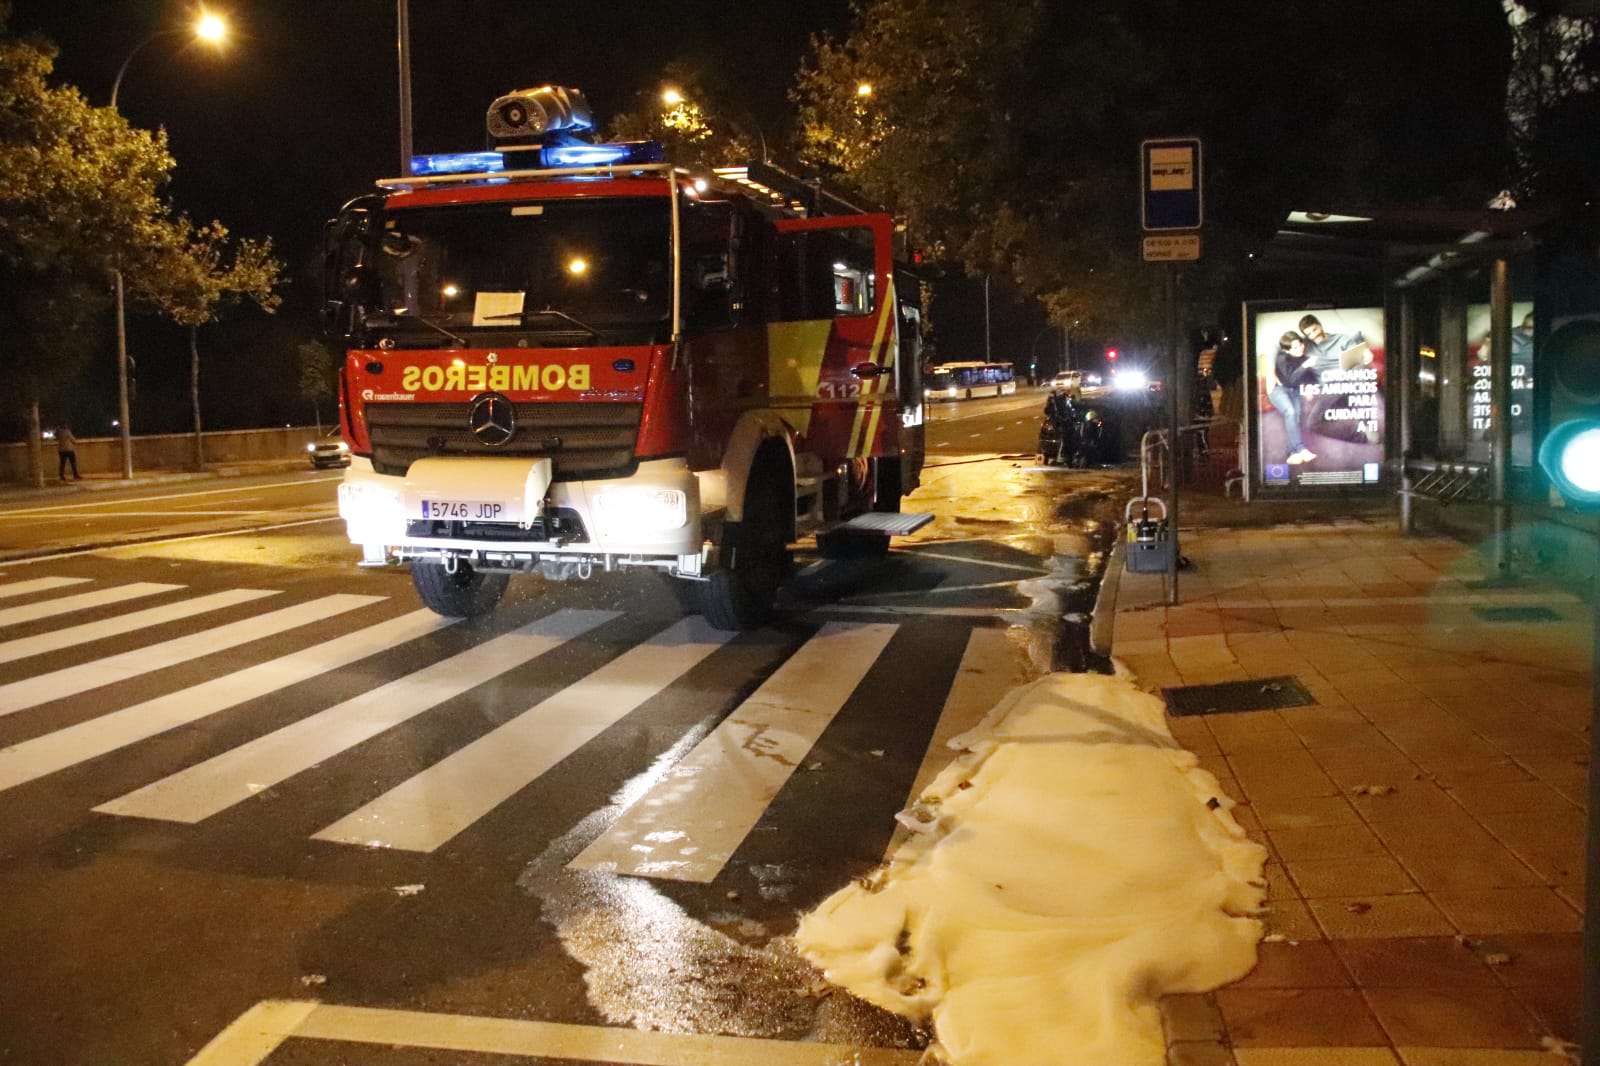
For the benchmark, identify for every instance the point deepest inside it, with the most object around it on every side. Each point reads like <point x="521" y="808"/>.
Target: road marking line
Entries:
<point x="133" y="622"/>
<point x="918" y="553"/>
<point x="135" y="545"/>
<point x="32" y="612"/>
<point x="20" y="695"/>
<point x="9" y="516"/>
<point x="40" y="584"/>
<point x="258" y="1032"/>
<point x="689" y="824"/>
<point x="206" y="788"/>
<point x="990" y="666"/>
<point x="424" y="811"/>
<point x="78" y="504"/>
<point x="33" y="759"/>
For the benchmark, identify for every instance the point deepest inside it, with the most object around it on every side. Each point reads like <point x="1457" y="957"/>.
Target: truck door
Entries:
<point x="831" y="335"/>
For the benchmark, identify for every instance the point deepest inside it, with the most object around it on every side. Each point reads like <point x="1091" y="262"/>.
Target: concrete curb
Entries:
<point x="1102" y="621"/>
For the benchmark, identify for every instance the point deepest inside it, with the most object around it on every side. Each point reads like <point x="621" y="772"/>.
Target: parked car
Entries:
<point x="1071" y="380"/>
<point x="329" y="451"/>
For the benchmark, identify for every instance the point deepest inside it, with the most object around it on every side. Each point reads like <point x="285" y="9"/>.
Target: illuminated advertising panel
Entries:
<point x="1320" y="393"/>
<point x="1480" y="361"/>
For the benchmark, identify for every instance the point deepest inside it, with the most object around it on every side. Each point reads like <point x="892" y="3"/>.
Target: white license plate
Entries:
<point x="465" y="511"/>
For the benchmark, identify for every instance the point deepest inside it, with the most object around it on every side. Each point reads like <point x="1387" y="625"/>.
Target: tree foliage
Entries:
<point x="701" y="127"/>
<point x="1008" y="131"/>
<point x="79" y="195"/>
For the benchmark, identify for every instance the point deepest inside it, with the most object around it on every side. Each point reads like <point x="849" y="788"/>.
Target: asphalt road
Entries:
<point x="254" y="795"/>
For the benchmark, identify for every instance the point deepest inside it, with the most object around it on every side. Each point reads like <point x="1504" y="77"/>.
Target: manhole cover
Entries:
<point x="1516" y="614"/>
<point x="1258" y="694"/>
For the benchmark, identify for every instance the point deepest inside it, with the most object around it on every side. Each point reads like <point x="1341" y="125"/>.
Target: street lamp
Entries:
<point x="214" y="31"/>
<point x="674" y="98"/>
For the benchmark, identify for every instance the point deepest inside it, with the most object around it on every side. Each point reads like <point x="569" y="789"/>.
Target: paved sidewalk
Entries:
<point x="17" y="491"/>
<point x="1424" y="817"/>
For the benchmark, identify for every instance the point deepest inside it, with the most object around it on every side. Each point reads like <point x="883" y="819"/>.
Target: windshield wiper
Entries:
<point x="521" y="315"/>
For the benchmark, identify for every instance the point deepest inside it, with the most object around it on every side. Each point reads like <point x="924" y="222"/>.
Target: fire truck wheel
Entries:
<point x="466" y="593"/>
<point x="741" y="595"/>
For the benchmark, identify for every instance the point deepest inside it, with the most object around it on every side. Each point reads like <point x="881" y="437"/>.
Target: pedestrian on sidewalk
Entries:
<point x="67" y="452"/>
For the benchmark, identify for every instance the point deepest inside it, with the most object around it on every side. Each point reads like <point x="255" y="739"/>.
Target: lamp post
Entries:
<point x="213" y="30"/>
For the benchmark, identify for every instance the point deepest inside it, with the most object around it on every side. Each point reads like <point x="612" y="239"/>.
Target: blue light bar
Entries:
<point x="601" y="155"/>
<point x="457" y="163"/>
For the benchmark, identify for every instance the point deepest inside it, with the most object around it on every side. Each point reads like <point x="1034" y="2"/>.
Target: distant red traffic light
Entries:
<point x="1111" y="354"/>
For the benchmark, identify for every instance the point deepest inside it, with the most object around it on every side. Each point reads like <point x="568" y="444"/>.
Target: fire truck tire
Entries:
<point x="742" y="594"/>
<point x="466" y="593"/>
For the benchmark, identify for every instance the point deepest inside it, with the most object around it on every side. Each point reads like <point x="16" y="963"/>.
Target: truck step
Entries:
<point x="893" y="525"/>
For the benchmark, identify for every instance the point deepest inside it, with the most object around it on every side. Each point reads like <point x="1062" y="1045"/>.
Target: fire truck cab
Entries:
<point x="563" y="357"/>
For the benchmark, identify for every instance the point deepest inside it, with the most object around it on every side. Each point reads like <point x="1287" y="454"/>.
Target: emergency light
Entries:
<point x="457" y="163"/>
<point x="601" y="155"/>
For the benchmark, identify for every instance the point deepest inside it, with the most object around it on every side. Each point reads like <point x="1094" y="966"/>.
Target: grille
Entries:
<point x="583" y="440"/>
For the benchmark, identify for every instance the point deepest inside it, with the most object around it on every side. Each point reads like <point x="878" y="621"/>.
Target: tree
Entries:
<point x="79" y="194"/>
<point x="318" y="378"/>
<point x="1553" y="99"/>
<point x="193" y="274"/>
<point x="691" y="118"/>
<point x="1007" y="131"/>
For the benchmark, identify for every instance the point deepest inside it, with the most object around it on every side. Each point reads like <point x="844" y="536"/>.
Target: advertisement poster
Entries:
<point x="1320" y="388"/>
<point x="1480" y="360"/>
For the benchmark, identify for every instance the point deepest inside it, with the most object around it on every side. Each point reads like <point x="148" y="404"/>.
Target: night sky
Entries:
<point x="300" y="113"/>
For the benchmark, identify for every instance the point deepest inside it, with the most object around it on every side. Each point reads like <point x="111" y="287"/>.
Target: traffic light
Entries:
<point x="1570" y="454"/>
<point x="1111" y="355"/>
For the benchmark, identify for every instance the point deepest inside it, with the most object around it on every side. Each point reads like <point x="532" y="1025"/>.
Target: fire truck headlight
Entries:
<point x="636" y="509"/>
<point x="372" y="512"/>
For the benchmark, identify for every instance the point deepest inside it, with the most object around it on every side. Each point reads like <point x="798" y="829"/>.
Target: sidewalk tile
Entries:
<point x="1457" y="1017"/>
<point x="1322" y="1017"/>
<point x="1557" y="1008"/>
<point x="1558" y="828"/>
<point x="1441" y="830"/>
<point x="1508" y="910"/>
<point x="1373" y="875"/>
<point x="1280" y="774"/>
<point x="1316" y="1056"/>
<point x="1481" y="773"/>
<point x="1412" y="1056"/>
<point x="1305" y="812"/>
<point x="1200" y="1053"/>
<point x="1561" y="866"/>
<point x="1435" y="962"/>
<point x="1538" y="958"/>
<point x="1311" y="964"/>
<point x="1291" y="919"/>
<point x="1190" y="1017"/>
<point x="1470" y="866"/>
<point x="1409" y="799"/>
<point x="1363" y="917"/>
<point x="1327" y="842"/>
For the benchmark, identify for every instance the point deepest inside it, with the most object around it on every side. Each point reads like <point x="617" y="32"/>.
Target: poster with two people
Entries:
<point x="1320" y="383"/>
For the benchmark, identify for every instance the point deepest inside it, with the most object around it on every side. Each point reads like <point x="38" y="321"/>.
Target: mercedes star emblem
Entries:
<point x="493" y="419"/>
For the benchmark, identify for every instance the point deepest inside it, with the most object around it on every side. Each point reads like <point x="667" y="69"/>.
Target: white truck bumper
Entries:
<point x="507" y="513"/>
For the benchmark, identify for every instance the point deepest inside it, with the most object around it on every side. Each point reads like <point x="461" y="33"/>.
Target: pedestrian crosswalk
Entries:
<point x="130" y="680"/>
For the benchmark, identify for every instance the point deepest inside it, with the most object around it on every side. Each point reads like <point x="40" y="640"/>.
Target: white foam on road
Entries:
<point x="1073" y="875"/>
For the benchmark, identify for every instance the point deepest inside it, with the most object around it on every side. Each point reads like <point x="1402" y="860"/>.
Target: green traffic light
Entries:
<point x="1570" y="457"/>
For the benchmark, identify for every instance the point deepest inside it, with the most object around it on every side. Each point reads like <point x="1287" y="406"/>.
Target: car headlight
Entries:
<point x="624" y="510"/>
<point x="1131" y="380"/>
<point x="311" y="448"/>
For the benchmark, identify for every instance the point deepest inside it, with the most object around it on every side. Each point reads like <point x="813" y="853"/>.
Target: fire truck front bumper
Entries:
<point x="508" y="514"/>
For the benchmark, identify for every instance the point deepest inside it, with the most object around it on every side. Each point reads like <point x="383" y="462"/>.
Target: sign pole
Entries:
<point x="1174" y="429"/>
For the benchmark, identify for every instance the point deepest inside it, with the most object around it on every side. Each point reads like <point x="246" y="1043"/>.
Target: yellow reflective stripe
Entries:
<point x="794" y="366"/>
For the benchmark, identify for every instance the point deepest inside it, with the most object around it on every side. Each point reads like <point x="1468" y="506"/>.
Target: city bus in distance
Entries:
<point x="963" y="381"/>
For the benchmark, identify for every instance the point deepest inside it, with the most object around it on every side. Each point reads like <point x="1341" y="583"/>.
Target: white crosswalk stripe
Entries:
<point x="33" y="759"/>
<point x="435" y="805"/>
<point x="83" y="601"/>
<point x="203" y="790"/>
<point x="38" y="584"/>
<point x="72" y="636"/>
<point x="33" y="691"/>
<point x="688" y="825"/>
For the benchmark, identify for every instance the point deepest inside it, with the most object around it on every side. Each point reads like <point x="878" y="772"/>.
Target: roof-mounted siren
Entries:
<point x="548" y="115"/>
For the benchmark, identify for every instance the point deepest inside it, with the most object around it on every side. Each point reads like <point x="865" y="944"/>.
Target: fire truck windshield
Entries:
<point x="553" y="273"/>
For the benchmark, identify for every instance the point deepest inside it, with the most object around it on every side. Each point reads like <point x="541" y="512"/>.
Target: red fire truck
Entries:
<point x="564" y="356"/>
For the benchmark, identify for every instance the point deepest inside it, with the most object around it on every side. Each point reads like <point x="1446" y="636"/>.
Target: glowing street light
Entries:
<point x="671" y="97"/>
<point x="864" y="88"/>
<point x="214" y="31"/>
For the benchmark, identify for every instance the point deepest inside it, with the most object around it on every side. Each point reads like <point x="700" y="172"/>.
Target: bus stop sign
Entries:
<point x="1170" y="181"/>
